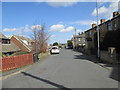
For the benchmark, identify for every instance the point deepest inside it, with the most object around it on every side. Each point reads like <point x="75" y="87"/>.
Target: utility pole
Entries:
<point x="98" y="33"/>
<point x="119" y="6"/>
<point x="74" y="39"/>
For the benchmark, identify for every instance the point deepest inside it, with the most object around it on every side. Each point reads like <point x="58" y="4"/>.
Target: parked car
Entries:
<point x="54" y="49"/>
<point x="69" y="47"/>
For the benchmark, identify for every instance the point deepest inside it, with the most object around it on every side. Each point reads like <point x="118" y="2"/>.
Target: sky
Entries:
<point x="60" y="18"/>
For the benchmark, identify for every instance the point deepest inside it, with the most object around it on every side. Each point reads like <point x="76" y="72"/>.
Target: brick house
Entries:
<point x="8" y="47"/>
<point x="106" y="29"/>
<point x="79" y="40"/>
<point x="25" y="44"/>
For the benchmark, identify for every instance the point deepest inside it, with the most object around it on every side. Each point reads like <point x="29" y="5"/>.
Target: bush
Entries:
<point x="2" y="55"/>
<point x="55" y="44"/>
<point x="20" y="53"/>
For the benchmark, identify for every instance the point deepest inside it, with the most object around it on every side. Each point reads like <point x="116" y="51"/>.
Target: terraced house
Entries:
<point x="109" y="36"/>
<point x="78" y="40"/>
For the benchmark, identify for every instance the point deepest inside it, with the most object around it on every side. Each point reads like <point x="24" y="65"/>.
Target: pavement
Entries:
<point x="66" y="70"/>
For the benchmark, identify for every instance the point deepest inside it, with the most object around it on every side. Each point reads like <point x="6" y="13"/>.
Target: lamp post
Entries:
<point x="98" y="33"/>
<point x="119" y="6"/>
<point x="74" y="39"/>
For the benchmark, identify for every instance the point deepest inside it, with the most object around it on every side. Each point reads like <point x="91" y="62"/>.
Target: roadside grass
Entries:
<point x="43" y="56"/>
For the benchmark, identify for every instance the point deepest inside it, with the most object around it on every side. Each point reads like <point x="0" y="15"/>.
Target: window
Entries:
<point x="5" y="41"/>
<point x="84" y="40"/>
<point x="109" y="26"/>
<point x="102" y="27"/>
<point x="90" y="33"/>
<point x="115" y="25"/>
<point x="0" y="41"/>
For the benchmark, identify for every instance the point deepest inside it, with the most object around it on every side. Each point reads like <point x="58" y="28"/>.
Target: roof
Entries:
<point x="118" y="16"/>
<point x="21" y="39"/>
<point x="8" y="47"/>
<point x="79" y="36"/>
<point x="3" y="36"/>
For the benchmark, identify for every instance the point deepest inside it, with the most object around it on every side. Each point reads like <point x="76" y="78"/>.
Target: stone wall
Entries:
<point x="111" y="58"/>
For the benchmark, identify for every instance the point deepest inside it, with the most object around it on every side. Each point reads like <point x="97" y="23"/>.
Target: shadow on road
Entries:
<point x="46" y="81"/>
<point x="115" y="72"/>
<point x="85" y="57"/>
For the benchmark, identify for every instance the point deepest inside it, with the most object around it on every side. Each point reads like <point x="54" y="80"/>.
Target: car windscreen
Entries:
<point x="54" y="48"/>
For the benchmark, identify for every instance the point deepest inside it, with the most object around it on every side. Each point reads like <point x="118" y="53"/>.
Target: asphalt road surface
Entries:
<point x="68" y="69"/>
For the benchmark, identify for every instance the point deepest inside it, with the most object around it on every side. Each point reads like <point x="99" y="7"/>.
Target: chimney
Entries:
<point x="115" y="14"/>
<point x="93" y="25"/>
<point x="102" y="21"/>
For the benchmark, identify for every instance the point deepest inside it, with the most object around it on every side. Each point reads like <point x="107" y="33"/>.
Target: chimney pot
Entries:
<point x="93" y="25"/>
<point x="115" y="14"/>
<point x="102" y="21"/>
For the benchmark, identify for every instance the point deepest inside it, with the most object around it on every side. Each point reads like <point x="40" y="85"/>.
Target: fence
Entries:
<point x="13" y="62"/>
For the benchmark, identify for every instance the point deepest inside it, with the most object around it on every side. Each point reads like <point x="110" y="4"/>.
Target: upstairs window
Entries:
<point x="79" y="39"/>
<point x="0" y="41"/>
<point x="5" y="41"/>
<point x="115" y="25"/>
<point x="109" y="26"/>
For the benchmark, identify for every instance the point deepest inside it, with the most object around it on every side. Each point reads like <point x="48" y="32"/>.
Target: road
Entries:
<point x="68" y="69"/>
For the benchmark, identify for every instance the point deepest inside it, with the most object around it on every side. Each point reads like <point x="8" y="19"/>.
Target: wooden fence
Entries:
<point x="13" y="62"/>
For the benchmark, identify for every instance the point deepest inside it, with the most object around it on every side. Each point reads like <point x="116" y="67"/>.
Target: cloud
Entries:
<point x="27" y="28"/>
<point x="79" y="31"/>
<point x="10" y="29"/>
<point x="20" y="33"/>
<point x="61" y="28"/>
<point x="68" y="29"/>
<point x="106" y="12"/>
<point x="36" y="27"/>
<point x="83" y="22"/>
<point x="56" y="27"/>
<point x="61" y="4"/>
<point x="101" y="10"/>
<point x="59" y="0"/>
<point x="52" y="36"/>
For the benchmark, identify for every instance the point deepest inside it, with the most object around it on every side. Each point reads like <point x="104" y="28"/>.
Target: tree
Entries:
<point x="55" y="44"/>
<point x="40" y="38"/>
<point x="69" y="43"/>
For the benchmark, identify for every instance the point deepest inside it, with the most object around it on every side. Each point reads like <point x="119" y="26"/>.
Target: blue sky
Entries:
<point x="60" y="18"/>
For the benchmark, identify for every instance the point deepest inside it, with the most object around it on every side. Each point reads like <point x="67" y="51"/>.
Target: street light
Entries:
<point x="74" y="39"/>
<point x="98" y="33"/>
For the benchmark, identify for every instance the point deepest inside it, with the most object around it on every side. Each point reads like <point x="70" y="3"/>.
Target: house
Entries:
<point x="8" y="47"/>
<point x="78" y="40"/>
<point x="25" y="44"/>
<point x="90" y="39"/>
<point x="107" y="37"/>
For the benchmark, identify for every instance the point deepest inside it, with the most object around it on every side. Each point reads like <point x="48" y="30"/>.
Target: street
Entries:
<point x="69" y="69"/>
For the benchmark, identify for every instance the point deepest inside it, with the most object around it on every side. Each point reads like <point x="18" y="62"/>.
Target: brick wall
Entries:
<point x="13" y="62"/>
